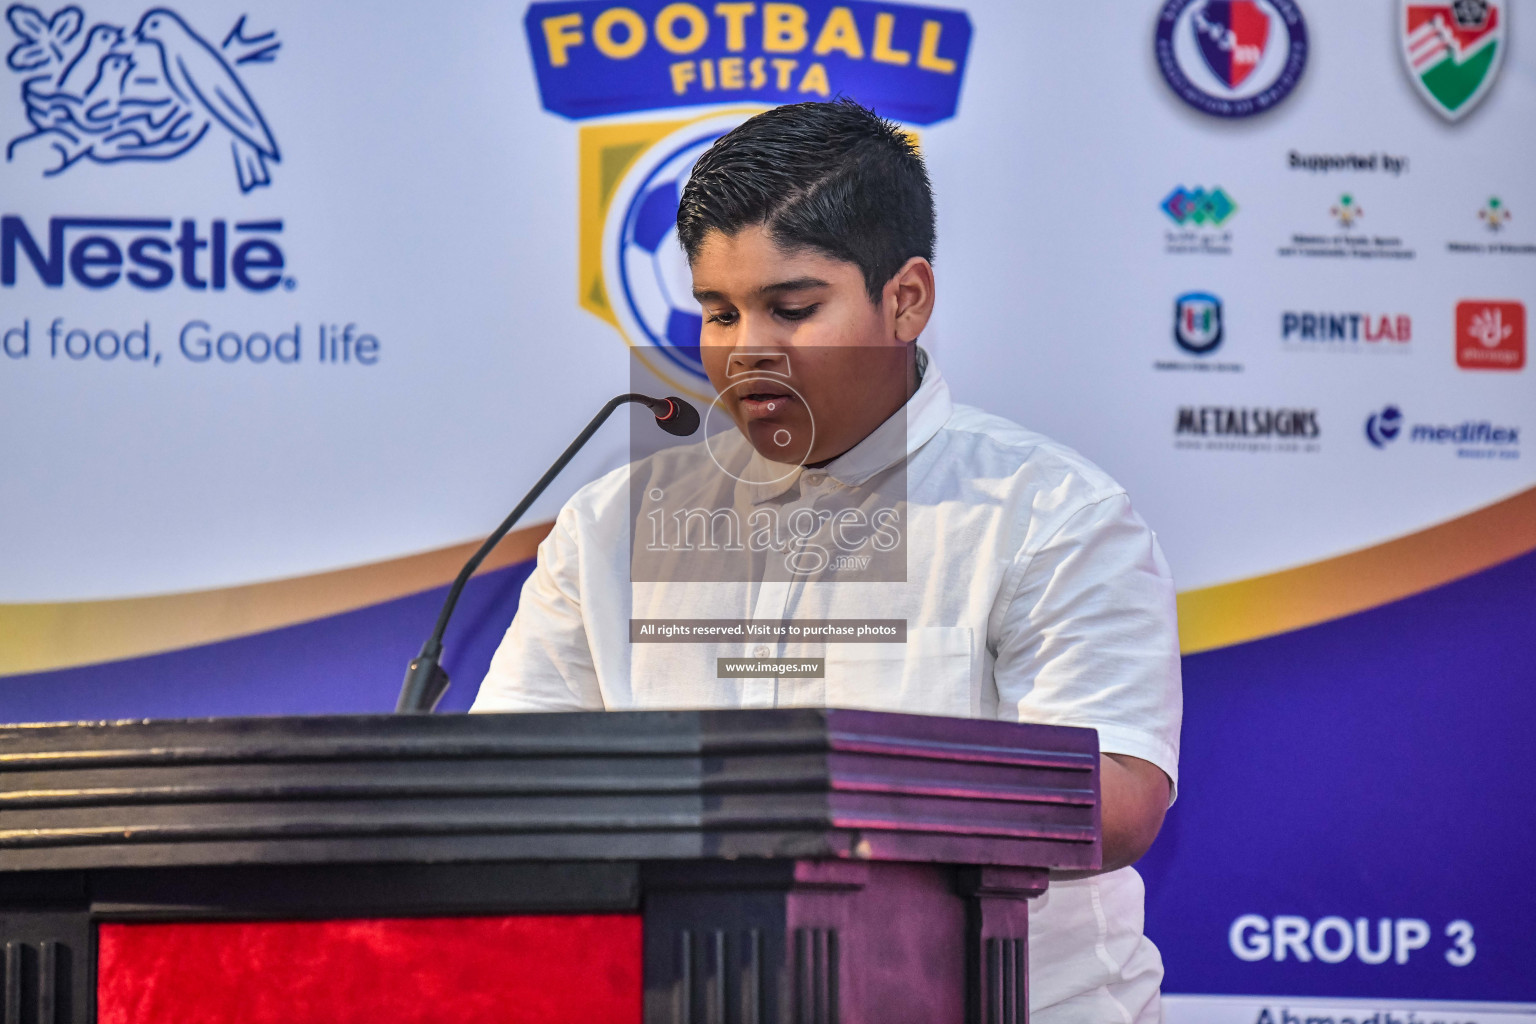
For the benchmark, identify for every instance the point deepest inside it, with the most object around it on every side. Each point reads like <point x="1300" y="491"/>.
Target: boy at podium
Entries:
<point x="853" y="537"/>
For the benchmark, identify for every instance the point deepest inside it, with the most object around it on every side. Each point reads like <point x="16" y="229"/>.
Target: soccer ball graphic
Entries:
<point x="654" y="281"/>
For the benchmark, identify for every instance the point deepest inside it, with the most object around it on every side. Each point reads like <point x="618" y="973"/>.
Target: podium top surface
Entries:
<point x="636" y="785"/>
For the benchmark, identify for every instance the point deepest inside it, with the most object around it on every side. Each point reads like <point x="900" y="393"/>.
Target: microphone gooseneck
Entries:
<point x="425" y="680"/>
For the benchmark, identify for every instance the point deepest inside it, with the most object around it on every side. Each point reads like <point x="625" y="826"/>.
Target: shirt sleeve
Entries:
<point x="544" y="662"/>
<point x="1090" y="636"/>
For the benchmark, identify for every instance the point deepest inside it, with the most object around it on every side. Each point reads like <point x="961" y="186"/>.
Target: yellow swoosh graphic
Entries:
<point x="1232" y="613"/>
<point x="39" y="637"/>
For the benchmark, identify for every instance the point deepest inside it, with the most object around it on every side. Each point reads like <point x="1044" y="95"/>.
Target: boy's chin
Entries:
<point x="778" y="442"/>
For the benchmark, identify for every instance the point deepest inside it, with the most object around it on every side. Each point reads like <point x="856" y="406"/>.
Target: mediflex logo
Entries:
<point x="1382" y="428"/>
<point x="111" y="95"/>
<point x="1470" y="438"/>
<point x="148" y="253"/>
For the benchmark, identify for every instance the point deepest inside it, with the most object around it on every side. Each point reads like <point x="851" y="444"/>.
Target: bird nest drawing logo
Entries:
<point x="151" y="94"/>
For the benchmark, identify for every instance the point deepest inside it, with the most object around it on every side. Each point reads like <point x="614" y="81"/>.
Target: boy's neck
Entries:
<point x="914" y="381"/>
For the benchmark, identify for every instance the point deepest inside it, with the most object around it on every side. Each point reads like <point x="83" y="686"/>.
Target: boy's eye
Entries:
<point x="724" y="319"/>
<point x="797" y="312"/>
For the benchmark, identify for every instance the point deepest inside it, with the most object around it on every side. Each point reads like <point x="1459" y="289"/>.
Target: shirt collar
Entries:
<point x="919" y="420"/>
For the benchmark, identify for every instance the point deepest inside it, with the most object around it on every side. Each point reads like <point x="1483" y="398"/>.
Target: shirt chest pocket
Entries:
<point x="928" y="675"/>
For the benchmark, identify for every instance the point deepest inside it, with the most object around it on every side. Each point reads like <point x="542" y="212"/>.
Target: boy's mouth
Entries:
<point x="764" y="401"/>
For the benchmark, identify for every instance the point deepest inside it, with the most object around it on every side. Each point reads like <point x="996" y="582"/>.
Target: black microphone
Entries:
<point x="674" y="415"/>
<point x="425" y="680"/>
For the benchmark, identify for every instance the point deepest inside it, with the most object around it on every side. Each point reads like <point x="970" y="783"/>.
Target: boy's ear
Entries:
<point x="909" y="294"/>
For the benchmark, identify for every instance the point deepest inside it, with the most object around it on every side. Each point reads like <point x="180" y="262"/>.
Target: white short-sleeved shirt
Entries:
<point x="1033" y="593"/>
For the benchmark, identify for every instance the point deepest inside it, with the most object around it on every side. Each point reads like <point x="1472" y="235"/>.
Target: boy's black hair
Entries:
<point x="834" y="177"/>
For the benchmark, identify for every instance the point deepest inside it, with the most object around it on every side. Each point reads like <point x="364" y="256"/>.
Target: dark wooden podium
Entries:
<point x="794" y="866"/>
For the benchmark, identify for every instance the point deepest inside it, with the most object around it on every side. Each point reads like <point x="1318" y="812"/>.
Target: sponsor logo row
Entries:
<point x="1288" y="429"/>
<point x="1238" y="58"/>
<point x="1489" y="334"/>
<point x="1202" y="224"/>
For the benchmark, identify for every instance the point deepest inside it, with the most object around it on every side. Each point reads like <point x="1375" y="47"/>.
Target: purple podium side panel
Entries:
<point x="997" y="941"/>
<point x="893" y="948"/>
<point x="836" y="942"/>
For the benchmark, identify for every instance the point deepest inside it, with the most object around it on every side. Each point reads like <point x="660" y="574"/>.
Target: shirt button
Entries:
<point x="815" y="479"/>
<point x="760" y="651"/>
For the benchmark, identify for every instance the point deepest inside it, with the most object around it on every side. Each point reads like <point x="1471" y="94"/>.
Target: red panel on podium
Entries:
<point x="510" y="970"/>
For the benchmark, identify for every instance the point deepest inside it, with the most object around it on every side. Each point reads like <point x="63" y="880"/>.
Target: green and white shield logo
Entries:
<point x="1453" y="50"/>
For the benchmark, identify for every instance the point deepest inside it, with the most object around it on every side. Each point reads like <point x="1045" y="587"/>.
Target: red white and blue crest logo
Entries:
<point x="1231" y="58"/>
<point x="1232" y="35"/>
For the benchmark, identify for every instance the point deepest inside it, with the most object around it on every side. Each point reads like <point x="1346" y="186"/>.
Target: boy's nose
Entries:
<point x="747" y="361"/>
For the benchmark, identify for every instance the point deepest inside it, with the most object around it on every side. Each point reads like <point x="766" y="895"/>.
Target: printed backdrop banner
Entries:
<point x="296" y="299"/>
